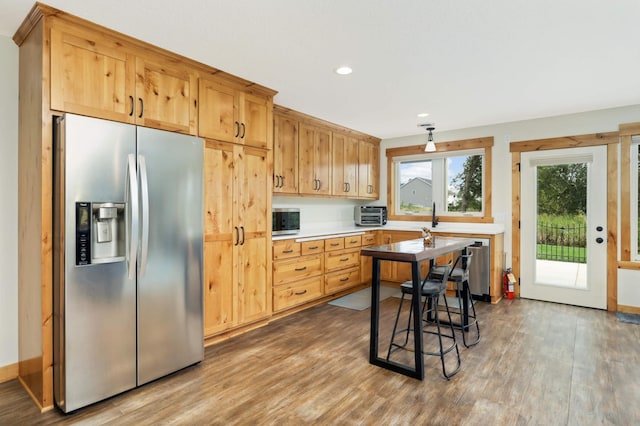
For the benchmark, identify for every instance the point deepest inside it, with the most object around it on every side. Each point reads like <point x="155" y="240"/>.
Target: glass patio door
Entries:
<point x="563" y="229"/>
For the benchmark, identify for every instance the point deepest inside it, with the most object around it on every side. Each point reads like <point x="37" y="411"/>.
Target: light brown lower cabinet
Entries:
<point x="296" y="293"/>
<point x="306" y="271"/>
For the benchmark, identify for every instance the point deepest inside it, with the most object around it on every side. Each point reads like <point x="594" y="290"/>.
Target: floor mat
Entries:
<point x="361" y="300"/>
<point x="629" y="318"/>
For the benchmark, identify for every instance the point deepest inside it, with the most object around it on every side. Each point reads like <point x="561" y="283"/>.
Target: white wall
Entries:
<point x="8" y="201"/>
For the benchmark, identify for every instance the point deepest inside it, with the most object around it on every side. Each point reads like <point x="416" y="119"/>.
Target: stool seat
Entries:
<point x="428" y="287"/>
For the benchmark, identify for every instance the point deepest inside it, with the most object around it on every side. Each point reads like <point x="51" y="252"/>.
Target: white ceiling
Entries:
<point x="467" y="63"/>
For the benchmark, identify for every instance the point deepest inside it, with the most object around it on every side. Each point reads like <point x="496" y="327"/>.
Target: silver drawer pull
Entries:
<point x="335" y="244"/>
<point x="314" y="248"/>
<point x="344" y="259"/>
<point x="287" y="251"/>
<point x="300" y="293"/>
<point x="301" y="269"/>
<point x="345" y="279"/>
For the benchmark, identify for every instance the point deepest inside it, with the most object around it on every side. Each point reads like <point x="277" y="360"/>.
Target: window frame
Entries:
<point x="456" y="148"/>
<point x="629" y="133"/>
<point x="634" y="212"/>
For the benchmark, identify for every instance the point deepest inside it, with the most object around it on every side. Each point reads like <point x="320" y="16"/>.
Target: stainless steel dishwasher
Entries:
<point x="479" y="270"/>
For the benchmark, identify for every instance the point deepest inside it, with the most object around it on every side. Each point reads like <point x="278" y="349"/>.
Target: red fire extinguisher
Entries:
<point x="509" y="282"/>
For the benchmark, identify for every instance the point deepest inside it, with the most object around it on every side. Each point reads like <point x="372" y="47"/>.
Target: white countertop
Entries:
<point x="345" y="229"/>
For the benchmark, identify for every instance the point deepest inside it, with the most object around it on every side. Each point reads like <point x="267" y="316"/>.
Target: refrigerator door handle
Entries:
<point x="144" y="195"/>
<point x="132" y="222"/>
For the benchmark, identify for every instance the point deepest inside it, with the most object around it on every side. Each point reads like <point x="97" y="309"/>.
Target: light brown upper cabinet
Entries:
<point x="102" y="76"/>
<point x="345" y="165"/>
<point x="285" y="154"/>
<point x="368" y="170"/>
<point x="323" y="158"/>
<point x="231" y="115"/>
<point x="314" y="160"/>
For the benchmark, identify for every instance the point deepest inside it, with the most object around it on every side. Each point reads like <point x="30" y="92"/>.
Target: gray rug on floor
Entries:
<point x="630" y="318"/>
<point x="361" y="300"/>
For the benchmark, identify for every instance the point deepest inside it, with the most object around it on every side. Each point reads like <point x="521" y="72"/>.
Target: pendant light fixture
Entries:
<point x="430" y="146"/>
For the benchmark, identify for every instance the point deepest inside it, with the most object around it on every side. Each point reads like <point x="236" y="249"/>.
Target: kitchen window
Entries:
<point x="455" y="178"/>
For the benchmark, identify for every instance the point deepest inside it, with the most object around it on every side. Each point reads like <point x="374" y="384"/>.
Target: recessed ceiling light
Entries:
<point x="423" y="114"/>
<point x="344" y="70"/>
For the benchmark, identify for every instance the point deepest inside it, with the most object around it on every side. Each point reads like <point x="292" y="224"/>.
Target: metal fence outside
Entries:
<point x="565" y="243"/>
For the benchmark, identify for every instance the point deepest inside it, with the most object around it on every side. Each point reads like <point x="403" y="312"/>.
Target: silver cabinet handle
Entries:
<point x="242" y="228"/>
<point x="244" y="130"/>
<point x="141" y="107"/>
<point x="237" y="236"/>
<point x="144" y="196"/>
<point x="132" y="224"/>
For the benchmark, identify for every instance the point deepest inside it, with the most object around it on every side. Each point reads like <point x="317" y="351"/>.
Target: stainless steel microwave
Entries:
<point x="285" y="221"/>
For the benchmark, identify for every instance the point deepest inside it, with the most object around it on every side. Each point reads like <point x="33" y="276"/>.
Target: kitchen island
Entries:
<point x="413" y="252"/>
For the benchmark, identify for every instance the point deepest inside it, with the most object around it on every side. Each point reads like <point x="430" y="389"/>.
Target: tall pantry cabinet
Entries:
<point x="68" y="64"/>
<point x="237" y="245"/>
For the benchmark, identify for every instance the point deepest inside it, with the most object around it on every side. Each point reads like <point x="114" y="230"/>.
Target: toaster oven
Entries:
<point x="370" y="215"/>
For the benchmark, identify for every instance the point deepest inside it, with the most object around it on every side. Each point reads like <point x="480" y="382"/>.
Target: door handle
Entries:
<point x="144" y="196"/>
<point x="132" y="223"/>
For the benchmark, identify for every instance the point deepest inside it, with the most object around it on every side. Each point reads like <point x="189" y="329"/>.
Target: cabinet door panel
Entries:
<point x="217" y="111"/>
<point x="166" y="97"/>
<point x="90" y="75"/>
<point x="256" y="122"/>
<point x="219" y="186"/>
<point x="254" y="286"/>
<point x="322" y="161"/>
<point x="368" y="170"/>
<point x="285" y="155"/>
<point x="345" y="165"/>
<point x="253" y="191"/>
<point x="314" y="160"/>
<point x="219" y="287"/>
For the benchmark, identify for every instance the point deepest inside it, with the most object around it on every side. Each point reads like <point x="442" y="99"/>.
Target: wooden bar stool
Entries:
<point x="431" y="290"/>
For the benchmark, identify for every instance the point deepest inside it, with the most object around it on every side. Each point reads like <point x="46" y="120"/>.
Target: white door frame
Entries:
<point x="533" y="285"/>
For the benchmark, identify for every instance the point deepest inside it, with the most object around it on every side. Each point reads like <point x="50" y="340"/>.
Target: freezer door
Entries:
<point x="95" y="309"/>
<point x="170" y="268"/>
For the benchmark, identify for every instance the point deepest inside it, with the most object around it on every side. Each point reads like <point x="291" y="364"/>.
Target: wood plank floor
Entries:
<point x="537" y="364"/>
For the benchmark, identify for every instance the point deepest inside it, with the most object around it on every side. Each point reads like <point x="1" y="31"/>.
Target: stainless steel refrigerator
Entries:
<point x="128" y="247"/>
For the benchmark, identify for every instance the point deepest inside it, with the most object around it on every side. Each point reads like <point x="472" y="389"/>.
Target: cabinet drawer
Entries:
<point x="295" y="269"/>
<point x="336" y="260"/>
<point x="285" y="249"/>
<point x="353" y="241"/>
<point x="334" y="244"/>
<point x="369" y="239"/>
<point x="337" y="281"/>
<point x="288" y="295"/>
<point x="312" y="247"/>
